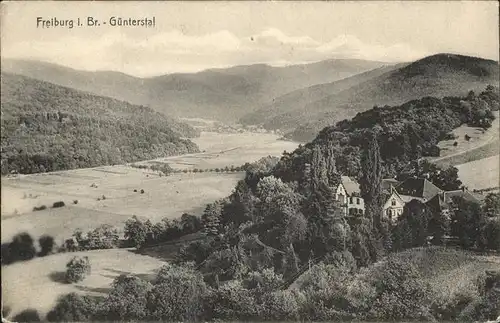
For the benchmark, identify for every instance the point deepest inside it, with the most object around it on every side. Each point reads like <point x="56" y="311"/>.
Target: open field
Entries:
<point x="480" y="174"/>
<point x="482" y="144"/>
<point x="221" y="150"/>
<point x="168" y="196"/>
<point x="36" y="284"/>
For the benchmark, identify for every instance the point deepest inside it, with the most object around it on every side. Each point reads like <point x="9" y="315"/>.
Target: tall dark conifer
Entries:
<point x="370" y="182"/>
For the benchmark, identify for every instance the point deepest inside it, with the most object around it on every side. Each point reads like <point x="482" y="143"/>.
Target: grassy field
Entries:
<point x="163" y="197"/>
<point x="221" y="150"/>
<point x="480" y="174"/>
<point x="482" y="144"/>
<point x="36" y="284"/>
<point x="450" y="271"/>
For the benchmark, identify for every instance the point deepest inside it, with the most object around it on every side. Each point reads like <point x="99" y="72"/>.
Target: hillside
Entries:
<point x="294" y="102"/>
<point x="46" y="127"/>
<point x="438" y="76"/>
<point x="38" y="283"/>
<point x="223" y="94"/>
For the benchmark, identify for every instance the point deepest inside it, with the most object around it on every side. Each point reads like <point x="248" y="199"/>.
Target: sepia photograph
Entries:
<point x="250" y="161"/>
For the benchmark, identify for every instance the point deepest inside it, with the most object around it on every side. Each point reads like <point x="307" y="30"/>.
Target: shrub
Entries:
<point x="46" y="245"/>
<point x="455" y="144"/>
<point x="20" y="249"/>
<point x="233" y="302"/>
<point x="29" y="315"/>
<point x="73" y="308"/>
<point x="39" y="208"/>
<point x="280" y="305"/>
<point x="136" y="232"/>
<point x="467" y="137"/>
<point x="135" y="190"/>
<point x="77" y="269"/>
<point x="142" y="191"/>
<point x="103" y="237"/>
<point x="75" y="201"/>
<point x="58" y="204"/>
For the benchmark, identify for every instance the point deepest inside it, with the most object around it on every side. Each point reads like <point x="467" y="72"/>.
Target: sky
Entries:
<point x="193" y="36"/>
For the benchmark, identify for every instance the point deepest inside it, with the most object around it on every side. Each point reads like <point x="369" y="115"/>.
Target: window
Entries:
<point x="393" y="202"/>
<point x="357" y="200"/>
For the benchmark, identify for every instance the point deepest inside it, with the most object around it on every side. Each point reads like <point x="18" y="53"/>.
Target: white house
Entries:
<point x="348" y="195"/>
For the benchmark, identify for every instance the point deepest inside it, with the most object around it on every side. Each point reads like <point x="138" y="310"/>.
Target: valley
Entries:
<point x="166" y="196"/>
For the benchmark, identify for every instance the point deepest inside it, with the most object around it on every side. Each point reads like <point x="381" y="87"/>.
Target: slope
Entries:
<point x="438" y="75"/>
<point x="222" y="94"/>
<point x="47" y="127"/>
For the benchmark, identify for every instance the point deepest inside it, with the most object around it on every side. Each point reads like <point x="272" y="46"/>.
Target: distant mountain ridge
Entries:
<point x="223" y="94"/>
<point x="438" y="75"/>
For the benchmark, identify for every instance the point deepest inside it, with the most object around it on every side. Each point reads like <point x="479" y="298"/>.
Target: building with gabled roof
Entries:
<point x="418" y="187"/>
<point x="348" y="194"/>
<point x="444" y="200"/>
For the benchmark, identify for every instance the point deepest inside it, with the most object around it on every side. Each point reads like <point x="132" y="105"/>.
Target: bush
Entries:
<point x="73" y="308"/>
<point x="103" y="237"/>
<point x="39" y="208"/>
<point x="233" y="302"/>
<point x="58" y="204"/>
<point x="142" y="191"/>
<point x="29" y="315"/>
<point x="77" y="269"/>
<point x="47" y="244"/>
<point x="280" y="306"/>
<point x="75" y="201"/>
<point x="455" y="144"/>
<point x="20" y="249"/>
<point x="467" y="137"/>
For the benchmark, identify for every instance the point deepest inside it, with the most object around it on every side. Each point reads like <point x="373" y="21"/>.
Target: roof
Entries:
<point x="444" y="200"/>
<point x="409" y="198"/>
<point x="387" y="183"/>
<point x="351" y="185"/>
<point x="418" y="187"/>
<point x="465" y="194"/>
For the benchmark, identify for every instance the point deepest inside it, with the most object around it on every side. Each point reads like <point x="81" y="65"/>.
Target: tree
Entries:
<point x="438" y="227"/>
<point x="370" y="182"/>
<point x="21" y="248"/>
<point x="412" y="227"/>
<point x="178" y="294"/>
<point x="491" y="206"/>
<point x="136" y="231"/>
<point x="77" y="269"/>
<point x="103" y="237"/>
<point x="211" y="218"/>
<point x="74" y="308"/>
<point x="489" y="237"/>
<point x="466" y="222"/>
<point x="127" y="300"/>
<point x="46" y="244"/>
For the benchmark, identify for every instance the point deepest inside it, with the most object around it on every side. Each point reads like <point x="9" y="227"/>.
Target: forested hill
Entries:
<point x="438" y="76"/>
<point x="223" y="94"/>
<point x="46" y="127"/>
<point x="405" y="132"/>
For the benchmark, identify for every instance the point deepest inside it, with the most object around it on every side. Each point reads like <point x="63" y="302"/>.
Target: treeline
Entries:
<point x="397" y="290"/>
<point x="406" y="132"/>
<point x="45" y="127"/>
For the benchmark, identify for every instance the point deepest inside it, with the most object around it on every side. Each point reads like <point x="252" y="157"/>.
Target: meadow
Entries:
<point x="480" y="174"/>
<point x="105" y="195"/>
<point x="38" y="283"/>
